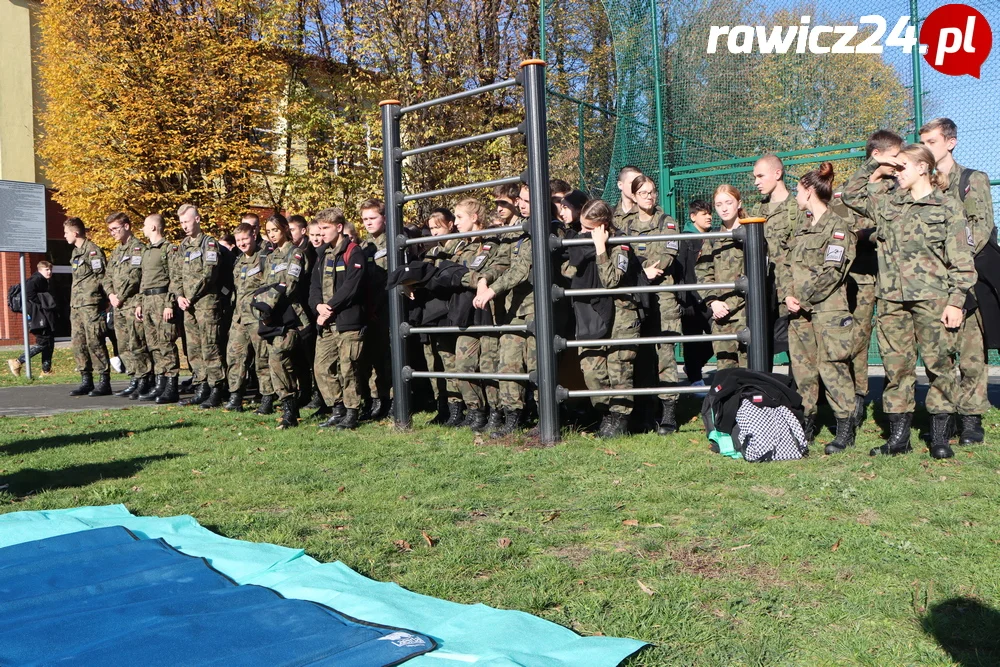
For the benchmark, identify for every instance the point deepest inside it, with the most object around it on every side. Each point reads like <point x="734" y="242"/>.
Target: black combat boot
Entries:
<point x="103" y="387"/>
<point x="266" y="406"/>
<point x="200" y="395"/>
<point x="668" y="420"/>
<point x="86" y="384"/>
<point x="845" y="436"/>
<point x="613" y="425"/>
<point x="316" y="401"/>
<point x="187" y="386"/>
<point x="496" y="420"/>
<point x="809" y="428"/>
<point x="235" y="402"/>
<point x="146" y="384"/>
<point x="133" y="385"/>
<point x="476" y="420"/>
<point x="349" y="421"/>
<point x="336" y="414"/>
<point x="972" y="430"/>
<point x="159" y="383"/>
<point x="455" y="415"/>
<point x="289" y="419"/>
<point x="941" y="426"/>
<point x="859" y="411"/>
<point x="899" y="436"/>
<point x="169" y="393"/>
<point x="374" y="411"/>
<point x="216" y="397"/>
<point x="511" y="422"/>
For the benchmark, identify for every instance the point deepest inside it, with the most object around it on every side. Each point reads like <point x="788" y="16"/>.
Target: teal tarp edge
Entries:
<point x="469" y="634"/>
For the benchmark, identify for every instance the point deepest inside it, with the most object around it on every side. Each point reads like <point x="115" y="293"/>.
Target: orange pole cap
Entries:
<point x="385" y="102"/>
<point x="532" y="61"/>
<point x="752" y="221"/>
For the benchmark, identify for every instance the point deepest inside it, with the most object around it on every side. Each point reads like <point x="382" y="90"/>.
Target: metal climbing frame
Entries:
<point x="532" y="78"/>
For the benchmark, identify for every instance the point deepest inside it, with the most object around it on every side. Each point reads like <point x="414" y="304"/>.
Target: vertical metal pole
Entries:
<point x="392" y="171"/>
<point x="581" y="148"/>
<point x="759" y="354"/>
<point x="918" y="88"/>
<point x="533" y="75"/>
<point x="24" y="320"/>
<point x="662" y="179"/>
<point x="541" y="30"/>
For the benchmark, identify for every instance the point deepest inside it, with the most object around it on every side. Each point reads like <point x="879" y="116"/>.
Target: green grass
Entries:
<point x="62" y="364"/>
<point x="831" y="560"/>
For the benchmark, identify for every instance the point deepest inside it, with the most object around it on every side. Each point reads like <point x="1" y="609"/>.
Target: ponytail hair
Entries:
<point x="731" y="190"/>
<point x="821" y="181"/>
<point x="920" y="153"/>
<point x="475" y="207"/>
<point x="598" y="210"/>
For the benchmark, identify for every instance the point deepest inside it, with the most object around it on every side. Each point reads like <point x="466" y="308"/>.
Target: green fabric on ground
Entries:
<point x="470" y="634"/>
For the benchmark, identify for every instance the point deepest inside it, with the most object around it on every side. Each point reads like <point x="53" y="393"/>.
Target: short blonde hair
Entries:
<point x="184" y="208"/>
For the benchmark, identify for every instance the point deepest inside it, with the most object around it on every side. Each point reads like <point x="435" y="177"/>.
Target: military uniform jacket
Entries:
<point x="517" y="281"/>
<point x="278" y="300"/>
<point x="378" y="267"/>
<point x="978" y="204"/>
<point x="925" y="247"/>
<point x="618" y="217"/>
<point x="339" y="281"/>
<point x="817" y="262"/>
<point x="248" y="276"/>
<point x="159" y="262"/>
<point x="89" y="267"/>
<point x="664" y="252"/>
<point x="721" y="261"/>
<point x="199" y="268"/>
<point x="485" y="258"/>
<point x="865" y="264"/>
<point x="782" y="220"/>
<point x="125" y="271"/>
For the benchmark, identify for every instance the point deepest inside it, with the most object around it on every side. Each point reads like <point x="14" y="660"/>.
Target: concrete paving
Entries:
<point x="53" y="399"/>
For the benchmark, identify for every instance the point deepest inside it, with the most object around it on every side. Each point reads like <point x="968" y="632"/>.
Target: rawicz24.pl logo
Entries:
<point x="954" y="39"/>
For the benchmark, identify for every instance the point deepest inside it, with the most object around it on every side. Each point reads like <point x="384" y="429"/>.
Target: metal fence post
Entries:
<point x="392" y="171"/>
<point x="755" y="269"/>
<point x="533" y="74"/>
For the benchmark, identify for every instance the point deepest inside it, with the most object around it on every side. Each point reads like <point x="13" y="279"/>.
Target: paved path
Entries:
<point x="52" y="399"/>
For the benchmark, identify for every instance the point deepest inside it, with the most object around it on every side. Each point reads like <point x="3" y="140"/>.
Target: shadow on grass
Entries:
<point x="967" y="629"/>
<point x="33" y="480"/>
<point x="51" y="442"/>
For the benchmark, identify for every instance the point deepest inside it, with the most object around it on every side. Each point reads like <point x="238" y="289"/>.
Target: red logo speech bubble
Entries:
<point x="958" y="39"/>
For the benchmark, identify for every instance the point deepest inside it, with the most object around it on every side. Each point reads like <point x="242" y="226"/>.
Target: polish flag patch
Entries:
<point x="840" y="236"/>
<point x="758" y="398"/>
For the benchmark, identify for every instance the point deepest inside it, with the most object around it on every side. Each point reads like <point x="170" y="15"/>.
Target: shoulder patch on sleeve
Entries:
<point x="623" y="262"/>
<point x="840" y="236"/>
<point x="969" y="237"/>
<point x="834" y="253"/>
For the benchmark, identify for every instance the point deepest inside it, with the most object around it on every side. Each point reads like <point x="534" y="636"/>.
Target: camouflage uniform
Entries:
<point x="123" y="278"/>
<point x="925" y="263"/>
<point x="377" y="366"/>
<point x="159" y="262"/>
<point x="612" y="367"/>
<point x="439" y="351"/>
<point x="489" y="350"/>
<point x="821" y="336"/>
<point x="198" y="282"/>
<point x="285" y="266"/>
<point x="721" y="261"/>
<point x="517" y="350"/>
<point x="782" y="219"/>
<point x="86" y="319"/>
<point x="244" y="339"/>
<point x="664" y="318"/>
<point x="618" y="218"/>
<point x="972" y="353"/>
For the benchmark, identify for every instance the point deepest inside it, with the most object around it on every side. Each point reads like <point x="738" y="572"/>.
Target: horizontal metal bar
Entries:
<point x="462" y="142"/>
<point x="460" y="96"/>
<point x="489" y="231"/>
<point x="652" y="340"/>
<point x="646" y="289"/>
<point x="652" y="238"/>
<point x="512" y="377"/>
<point x="407" y="330"/>
<point x="644" y="391"/>
<point x="510" y="180"/>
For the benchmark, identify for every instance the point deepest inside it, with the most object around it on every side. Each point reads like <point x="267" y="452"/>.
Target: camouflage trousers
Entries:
<point x="489" y="362"/>
<point x="161" y="337"/>
<point x="613" y="367"/>
<point x="281" y="361"/>
<point x="730" y="353"/>
<point x="132" y="341"/>
<point x="467" y="349"/>
<point x="820" y="347"/>
<point x="973" y="370"/>
<point x="376" y="368"/>
<point x="517" y="355"/>
<point x="201" y="329"/>
<point x="245" y="346"/>
<point x="338" y="357"/>
<point x="904" y="328"/>
<point x="439" y="353"/>
<point x="87" y="324"/>
<point x="666" y="359"/>
<point x="861" y="300"/>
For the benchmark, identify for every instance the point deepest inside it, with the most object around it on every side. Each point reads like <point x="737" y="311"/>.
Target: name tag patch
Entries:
<point x="381" y="253"/>
<point x="136" y="260"/>
<point x="194" y="255"/>
<point x="254" y="271"/>
<point x="280" y="267"/>
<point x="834" y="253"/>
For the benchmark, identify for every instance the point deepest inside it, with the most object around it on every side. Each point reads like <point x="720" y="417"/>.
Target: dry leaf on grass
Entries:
<point x="341" y="489"/>
<point x="610" y="452"/>
<point x="403" y="545"/>
<point x="836" y="545"/>
<point x="431" y="541"/>
<point x="551" y="517"/>
<point x="504" y="542"/>
<point x="742" y="546"/>
<point x="645" y="589"/>
<point x="630" y="522"/>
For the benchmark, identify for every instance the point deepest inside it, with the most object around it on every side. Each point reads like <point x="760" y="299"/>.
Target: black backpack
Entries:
<point x="14" y="297"/>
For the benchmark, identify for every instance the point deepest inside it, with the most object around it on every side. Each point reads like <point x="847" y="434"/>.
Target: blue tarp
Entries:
<point x="469" y="634"/>
<point x="104" y="597"/>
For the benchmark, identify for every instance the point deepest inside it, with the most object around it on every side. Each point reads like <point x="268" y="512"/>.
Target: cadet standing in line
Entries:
<point x="695" y="317"/>
<point x="123" y="277"/>
<point x="339" y="298"/>
<point x="308" y="393"/>
<point x="626" y="203"/>
<point x="86" y="319"/>
<point x="925" y="272"/>
<point x="721" y="261"/>
<point x="282" y="316"/>
<point x="813" y="280"/>
<point x="160" y="269"/>
<point x="378" y="366"/>
<point x="600" y="266"/>
<point x="656" y="260"/>
<point x="972" y="189"/>
<point x="197" y="295"/>
<point x="244" y="340"/>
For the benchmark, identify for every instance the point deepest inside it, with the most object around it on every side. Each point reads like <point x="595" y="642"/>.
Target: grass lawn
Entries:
<point x="831" y="560"/>
<point x="62" y="364"/>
